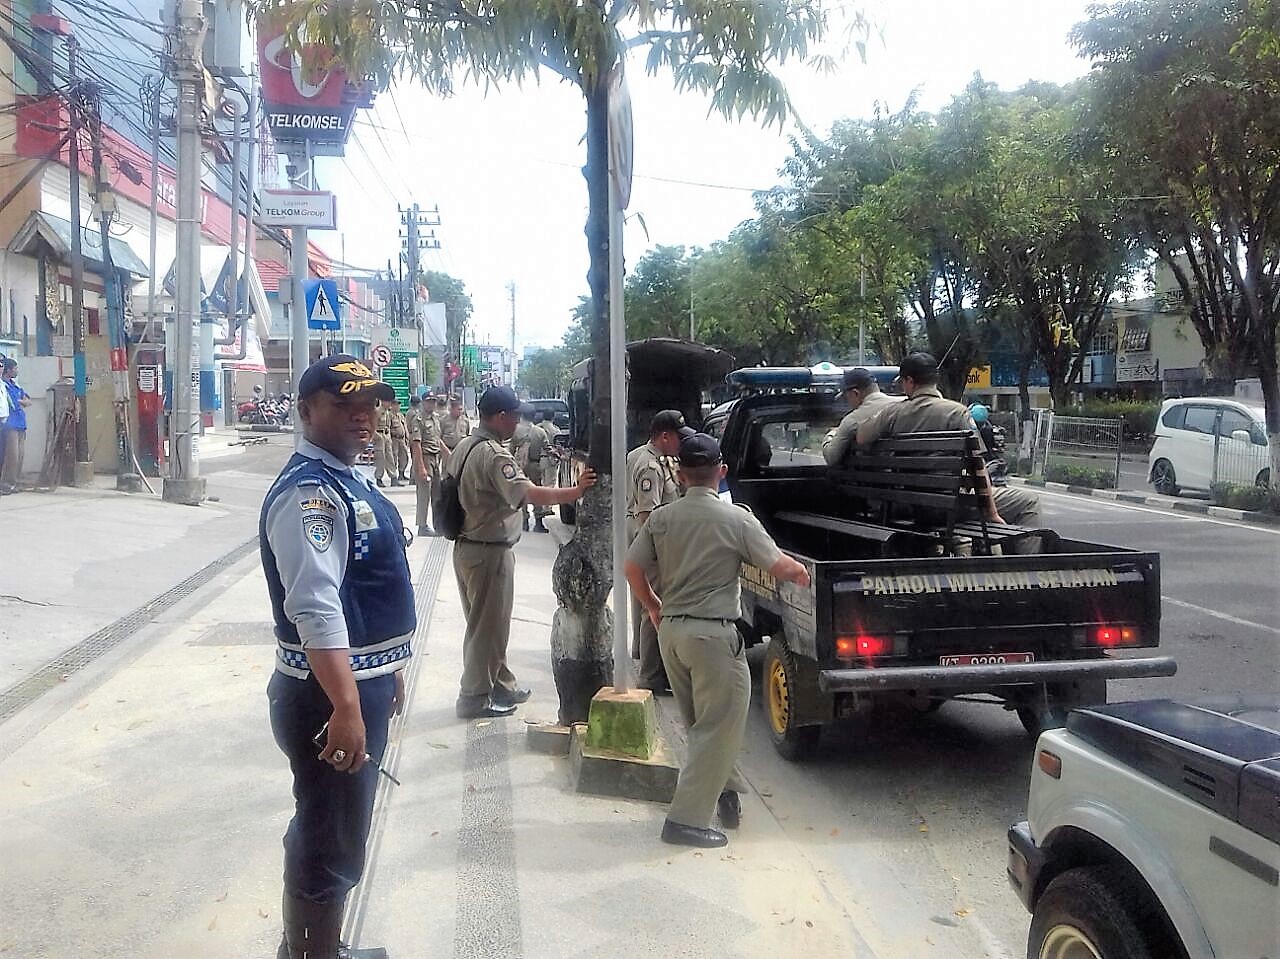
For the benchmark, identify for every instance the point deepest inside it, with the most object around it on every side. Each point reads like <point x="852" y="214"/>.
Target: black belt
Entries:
<point x="481" y="542"/>
<point x="703" y="619"/>
<point x="385" y="432"/>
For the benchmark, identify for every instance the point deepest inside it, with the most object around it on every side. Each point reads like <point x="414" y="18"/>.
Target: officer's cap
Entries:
<point x="670" y="421"/>
<point x="498" y="399"/>
<point x="415" y="400"/>
<point x="858" y="378"/>
<point x="699" y="449"/>
<point x="342" y="375"/>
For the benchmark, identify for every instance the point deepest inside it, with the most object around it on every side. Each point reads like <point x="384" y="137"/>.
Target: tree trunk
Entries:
<point x="582" y="629"/>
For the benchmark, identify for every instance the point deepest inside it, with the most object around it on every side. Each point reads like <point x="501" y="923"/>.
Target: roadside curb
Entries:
<point x="1156" y="502"/>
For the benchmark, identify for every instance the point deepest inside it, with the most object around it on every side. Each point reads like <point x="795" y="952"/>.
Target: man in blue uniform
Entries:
<point x="333" y="552"/>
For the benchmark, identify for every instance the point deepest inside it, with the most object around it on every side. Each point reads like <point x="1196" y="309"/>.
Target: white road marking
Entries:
<point x="1193" y="517"/>
<point x="1213" y="612"/>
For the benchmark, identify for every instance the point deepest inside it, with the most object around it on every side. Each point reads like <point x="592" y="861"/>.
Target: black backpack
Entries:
<point x="447" y="509"/>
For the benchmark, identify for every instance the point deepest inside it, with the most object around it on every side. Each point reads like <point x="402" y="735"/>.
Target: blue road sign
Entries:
<point x="322" y="305"/>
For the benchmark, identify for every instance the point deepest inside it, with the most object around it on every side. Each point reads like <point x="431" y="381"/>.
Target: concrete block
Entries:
<point x="599" y="772"/>
<point x="187" y="492"/>
<point x="547" y="738"/>
<point x="82" y="474"/>
<point x="622" y="722"/>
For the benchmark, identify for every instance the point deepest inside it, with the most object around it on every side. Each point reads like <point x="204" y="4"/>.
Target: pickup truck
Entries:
<point x="1153" y="832"/>
<point x="896" y="610"/>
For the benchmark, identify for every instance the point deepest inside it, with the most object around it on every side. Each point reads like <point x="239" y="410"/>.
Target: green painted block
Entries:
<point x="622" y="722"/>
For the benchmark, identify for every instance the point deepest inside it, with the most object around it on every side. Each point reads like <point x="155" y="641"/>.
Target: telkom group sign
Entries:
<point x="306" y="97"/>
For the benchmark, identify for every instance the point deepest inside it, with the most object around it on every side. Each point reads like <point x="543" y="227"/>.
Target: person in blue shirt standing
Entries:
<point x="333" y="552"/>
<point x="14" y="435"/>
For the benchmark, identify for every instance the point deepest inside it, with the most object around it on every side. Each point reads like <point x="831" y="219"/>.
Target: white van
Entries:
<point x="1202" y="440"/>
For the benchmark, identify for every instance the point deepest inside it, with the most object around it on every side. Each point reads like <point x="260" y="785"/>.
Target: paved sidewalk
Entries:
<point x="143" y="815"/>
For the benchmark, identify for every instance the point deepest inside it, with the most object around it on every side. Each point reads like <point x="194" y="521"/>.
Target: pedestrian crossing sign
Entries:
<point x="322" y="305"/>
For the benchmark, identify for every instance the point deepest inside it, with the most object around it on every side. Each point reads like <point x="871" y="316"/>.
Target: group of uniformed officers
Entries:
<point x="333" y="551"/>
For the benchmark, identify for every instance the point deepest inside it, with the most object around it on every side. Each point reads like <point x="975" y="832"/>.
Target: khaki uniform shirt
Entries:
<point x="425" y="429"/>
<point x="384" y="419"/>
<point x="399" y="426"/>
<point x="925" y="411"/>
<point x="492" y="489"/>
<point x="527" y="444"/>
<point x="454" y="428"/>
<point x="841" y="439"/>
<point x="650" y="481"/>
<point x="695" y="548"/>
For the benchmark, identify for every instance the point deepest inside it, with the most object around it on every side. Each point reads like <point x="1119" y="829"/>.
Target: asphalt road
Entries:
<point x="917" y="807"/>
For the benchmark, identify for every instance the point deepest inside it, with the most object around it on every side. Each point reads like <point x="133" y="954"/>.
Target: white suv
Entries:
<point x="1202" y="440"/>
<point x="1153" y="832"/>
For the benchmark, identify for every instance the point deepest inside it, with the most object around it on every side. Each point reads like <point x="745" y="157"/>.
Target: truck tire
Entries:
<point x="569" y="513"/>
<point x="1098" y="911"/>
<point x="792" y="741"/>
<point x="1049" y="711"/>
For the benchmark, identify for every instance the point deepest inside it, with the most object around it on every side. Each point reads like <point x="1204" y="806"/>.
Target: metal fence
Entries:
<point x="1240" y="456"/>
<point x="1077" y="449"/>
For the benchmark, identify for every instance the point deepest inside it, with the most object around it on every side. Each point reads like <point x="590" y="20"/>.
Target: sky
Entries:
<point x="504" y="169"/>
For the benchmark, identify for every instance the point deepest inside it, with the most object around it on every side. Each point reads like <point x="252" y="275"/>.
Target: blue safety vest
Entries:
<point x="376" y="591"/>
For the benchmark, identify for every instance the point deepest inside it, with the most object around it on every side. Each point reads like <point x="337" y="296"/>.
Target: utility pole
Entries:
<point x="116" y="336"/>
<point x="862" y="314"/>
<point x="184" y="483"/>
<point x="83" y="475"/>
<point x="511" y="290"/>
<point x="300" y="341"/>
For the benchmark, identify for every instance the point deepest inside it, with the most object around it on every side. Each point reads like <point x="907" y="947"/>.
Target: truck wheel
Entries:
<point x="792" y="741"/>
<point x="1096" y="913"/>
<point x="568" y="513"/>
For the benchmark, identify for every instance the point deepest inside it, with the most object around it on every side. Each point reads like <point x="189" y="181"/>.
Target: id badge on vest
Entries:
<point x="366" y="518"/>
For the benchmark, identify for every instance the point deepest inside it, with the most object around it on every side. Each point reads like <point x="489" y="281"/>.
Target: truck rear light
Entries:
<point x="1050" y="764"/>
<point x="1112" y="636"/>
<point x="860" y="647"/>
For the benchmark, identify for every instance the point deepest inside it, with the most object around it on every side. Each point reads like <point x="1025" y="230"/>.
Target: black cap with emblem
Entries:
<point x="669" y="421"/>
<point x="699" y="449"/>
<point x="342" y="375"/>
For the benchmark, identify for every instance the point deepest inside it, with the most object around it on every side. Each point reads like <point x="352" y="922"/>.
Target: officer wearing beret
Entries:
<point x="695" y="548"/>
<point x="651" y="483"/>
<point x="333" y="553"/>
<point x="493" y="491"/>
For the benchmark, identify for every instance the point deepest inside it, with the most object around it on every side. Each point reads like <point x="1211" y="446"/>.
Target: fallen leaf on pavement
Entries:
<point x="808" y="923"/>
<point x="436" y="833"/>
<point x="924" y="827"/>
<point x="963" y="912"/>
<point x="213" y="922"/>
<point x="223" y="897"/>
<point x="262" y="913"/>
<point x="484" y="722"/>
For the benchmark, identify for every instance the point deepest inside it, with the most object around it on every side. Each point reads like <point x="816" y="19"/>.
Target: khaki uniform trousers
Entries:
<point x="486" y="584"/>
<point x="644" y="637"/>
<point x="400" y="446"/>
<point x="382" y="463"/>
<point x="426" y="489"/>
<point x="535" y="473"/>
<point x="1019" y="507"/>
<point x="711" y="684"/>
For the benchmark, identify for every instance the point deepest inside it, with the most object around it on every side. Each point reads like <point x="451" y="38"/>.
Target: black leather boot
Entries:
<point x="311" y="928"/>
<point x="312" y="932"/>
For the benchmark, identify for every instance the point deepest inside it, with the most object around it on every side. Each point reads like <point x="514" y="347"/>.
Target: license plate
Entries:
<point x="986" y="659"/>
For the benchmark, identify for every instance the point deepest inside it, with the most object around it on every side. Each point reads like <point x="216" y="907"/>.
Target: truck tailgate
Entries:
<point x="994" y="594"/>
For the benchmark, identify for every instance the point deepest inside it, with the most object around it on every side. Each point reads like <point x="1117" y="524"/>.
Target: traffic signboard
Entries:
<point x="380" y="355"/>
<point x="402" y="353"/>
<point x="322" y="304"/>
